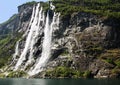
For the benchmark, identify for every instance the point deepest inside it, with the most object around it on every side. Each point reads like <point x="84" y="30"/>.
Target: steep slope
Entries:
<point x="11" y="31"/>
<point x="85" y="41"/>
<point x="7" y="40"/>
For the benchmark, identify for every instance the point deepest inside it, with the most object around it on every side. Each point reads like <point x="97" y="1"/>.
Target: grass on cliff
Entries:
<point x="108" y="8"/>
<point x="30" y="3"/>
<point x="111" y="56"/>
<point x="45" y="5"/>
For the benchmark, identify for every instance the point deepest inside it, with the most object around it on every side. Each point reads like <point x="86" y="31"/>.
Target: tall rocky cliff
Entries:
<point x="84" y="45"/>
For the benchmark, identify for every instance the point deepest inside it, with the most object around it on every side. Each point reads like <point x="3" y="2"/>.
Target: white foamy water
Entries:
<point x="38" y="22"/>
<point x="40" y="18"/>
<point x="16" y="50"/>
<point x="47" y="42"/>
<point x="29" y="37"/>
<point x="45" y="49"/>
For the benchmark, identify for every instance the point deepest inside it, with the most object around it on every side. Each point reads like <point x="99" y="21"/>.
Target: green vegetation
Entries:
<point x="2" y="75"/>
<point x="111" y="56"/>
<point x="66" y="72"/>
<point x="87" y="74"/>
<point x="30" y="3"/>
<point x="117" y="63"/>
<point x="45" y="5"/>
<point x="9" y="20"/>
<point x="116" y="71"/>
<point x="108" y="8"/>
<point x="16" y="74"/>
<point x="109" y="60"/>
<point x="94" y="50"/>
<point x="7" y="46"/>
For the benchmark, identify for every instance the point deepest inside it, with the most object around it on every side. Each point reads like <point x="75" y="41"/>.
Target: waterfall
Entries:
<point x="38" y="21"/>
<point x="40" y="18"/>
<point x="47" y="42"/>
<point x="16" y="50"/>
<point x="28" y="42"/>
<point x="46" y="47"/>
<point x="15" y="54"/>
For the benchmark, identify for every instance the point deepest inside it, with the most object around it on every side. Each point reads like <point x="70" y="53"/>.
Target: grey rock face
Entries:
<point x="85" y="37"/>
<point x="79" y="42"/>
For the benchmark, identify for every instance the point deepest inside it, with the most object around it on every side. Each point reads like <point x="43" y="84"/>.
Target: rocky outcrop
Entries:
<point x="25" y="12"/>
<point x="84" y="42"/>
<point x="12" y="31"/>
<point x="87" y="37"/>
<point x="18" y="22"/>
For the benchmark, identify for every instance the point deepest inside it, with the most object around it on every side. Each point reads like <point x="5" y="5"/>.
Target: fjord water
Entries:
<point x="59" y="81"/>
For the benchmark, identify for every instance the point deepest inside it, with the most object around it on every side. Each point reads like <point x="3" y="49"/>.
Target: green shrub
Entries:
<point x="110" y="60"/>
<point x="16" y="74"/>
<point x="87" y="74"/>
<point x="64" y="72"/>
<point x="100" y="7"/>
<point x="118" y="63"/>
<point x="31" y="3"/>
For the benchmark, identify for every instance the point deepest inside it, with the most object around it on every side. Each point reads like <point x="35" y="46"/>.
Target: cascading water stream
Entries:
<point x="16" y="50"/>
<point x="38" y="22"/>
<point x="45" y="49"/>
<point x="47" y="42"/>
<point x="16" y="53"/>
<point x="29" y="38"/>
<point x="40" y="18"/>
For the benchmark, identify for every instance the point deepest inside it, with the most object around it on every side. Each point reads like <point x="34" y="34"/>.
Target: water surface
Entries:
<point x="21" y="81"/>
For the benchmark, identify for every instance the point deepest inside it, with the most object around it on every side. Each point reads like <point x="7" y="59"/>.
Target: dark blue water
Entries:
<point x="59" y="81"/>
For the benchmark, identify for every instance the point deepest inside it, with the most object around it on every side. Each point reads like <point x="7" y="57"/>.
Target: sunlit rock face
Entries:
<point x="80" y="41"/>
<point x="35" y="47"/>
